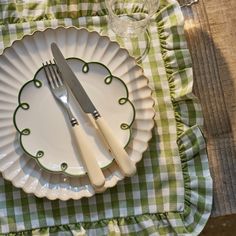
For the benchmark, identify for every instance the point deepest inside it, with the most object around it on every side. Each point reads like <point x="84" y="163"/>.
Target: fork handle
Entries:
<point x="88" y="157"/>
<point x="126" y="165"/>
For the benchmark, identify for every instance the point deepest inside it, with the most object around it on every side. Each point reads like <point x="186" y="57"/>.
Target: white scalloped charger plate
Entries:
<point x="18" y="65"/>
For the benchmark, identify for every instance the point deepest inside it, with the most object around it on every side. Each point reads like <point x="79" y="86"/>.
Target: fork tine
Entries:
<point x="52" y="76"/>
<point x="47" y="75"/>
<point x="58" y="72"/>
<point x="57" y="77"/>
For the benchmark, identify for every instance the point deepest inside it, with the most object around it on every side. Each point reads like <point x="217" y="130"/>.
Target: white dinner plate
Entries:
<point x="20" y="64"/>
<point x="44" y="127"/>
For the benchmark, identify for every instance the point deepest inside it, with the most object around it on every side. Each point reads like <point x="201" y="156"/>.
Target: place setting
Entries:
<point x="95" y="132"/>
<point x="104" y="133"/>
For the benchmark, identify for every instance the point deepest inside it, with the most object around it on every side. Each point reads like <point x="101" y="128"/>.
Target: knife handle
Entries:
<point x="126" y="165"/>
<point x="88" y="157"/>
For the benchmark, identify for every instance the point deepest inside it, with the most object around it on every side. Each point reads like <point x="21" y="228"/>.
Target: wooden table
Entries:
<point x="210" y="27"/>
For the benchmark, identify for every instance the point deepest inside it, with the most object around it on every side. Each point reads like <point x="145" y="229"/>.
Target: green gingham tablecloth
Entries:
<point x="172" y="190"/>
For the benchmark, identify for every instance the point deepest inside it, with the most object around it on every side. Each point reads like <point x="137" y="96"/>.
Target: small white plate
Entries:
<point x="44" y="126"/>
<point x="18" y="65"/>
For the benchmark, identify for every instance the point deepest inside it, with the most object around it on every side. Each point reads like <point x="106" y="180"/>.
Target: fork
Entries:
<point x="60" y="92"/>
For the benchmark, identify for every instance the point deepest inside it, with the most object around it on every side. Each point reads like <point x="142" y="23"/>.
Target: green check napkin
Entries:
<point x="172" y="190"/>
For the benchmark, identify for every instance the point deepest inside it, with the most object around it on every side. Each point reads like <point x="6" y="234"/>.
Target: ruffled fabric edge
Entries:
<point x="192" y="150"/>
<point x="192" y="147"/>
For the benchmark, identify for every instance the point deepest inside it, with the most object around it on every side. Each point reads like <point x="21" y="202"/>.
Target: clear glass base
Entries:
<point x="138" y="46"/>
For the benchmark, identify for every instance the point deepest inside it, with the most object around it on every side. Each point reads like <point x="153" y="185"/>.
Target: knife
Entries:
<point x="126" y="165"/>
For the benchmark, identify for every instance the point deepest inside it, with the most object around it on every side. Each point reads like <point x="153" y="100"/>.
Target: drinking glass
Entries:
<point x="130" y="20"/>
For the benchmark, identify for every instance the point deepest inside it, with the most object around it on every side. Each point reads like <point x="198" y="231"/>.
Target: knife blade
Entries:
<point x="121" y="157"/>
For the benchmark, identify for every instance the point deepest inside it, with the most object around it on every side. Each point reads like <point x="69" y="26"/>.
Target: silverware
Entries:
<point x="60" y="92"/>
<point x="126" y="165"/>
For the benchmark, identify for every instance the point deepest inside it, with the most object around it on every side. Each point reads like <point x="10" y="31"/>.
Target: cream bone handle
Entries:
<point x="126" y="165"/>
<point x="88" y="157"/>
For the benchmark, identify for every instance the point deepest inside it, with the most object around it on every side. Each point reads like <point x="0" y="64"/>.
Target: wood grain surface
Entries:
<point x="210" y="27"/>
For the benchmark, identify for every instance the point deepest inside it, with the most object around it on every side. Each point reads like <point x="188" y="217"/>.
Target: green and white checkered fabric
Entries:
<point x="172" y="190"/>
